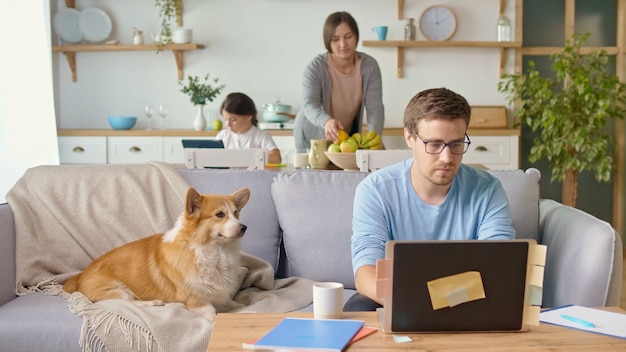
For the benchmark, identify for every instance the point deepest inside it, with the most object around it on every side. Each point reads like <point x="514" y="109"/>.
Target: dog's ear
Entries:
<point x="241" y="197"/>
<point x="193" y="202"/>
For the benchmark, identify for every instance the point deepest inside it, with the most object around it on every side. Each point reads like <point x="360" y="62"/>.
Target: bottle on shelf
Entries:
<point x="409" y="29"/>
<point x="137" y="36"/>
<point x="504" y="32"/>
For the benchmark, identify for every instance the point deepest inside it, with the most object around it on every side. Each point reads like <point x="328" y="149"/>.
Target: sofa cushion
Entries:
<point x="315" y="213"/>
<point x="7" y="254"/>
<point x="585" y="256"/>
<point x="522" y="189"/>
<point x="262" y="238"/>
<point x="38" y="322"/>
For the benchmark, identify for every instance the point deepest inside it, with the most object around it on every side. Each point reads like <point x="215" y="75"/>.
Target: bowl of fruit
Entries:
<point x="345" y="161"/>
<point x="342" y="152"/>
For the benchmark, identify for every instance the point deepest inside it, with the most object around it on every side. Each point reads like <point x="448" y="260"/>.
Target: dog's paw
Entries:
<point x="207" y="311"/>
<point x="153" y="303"/>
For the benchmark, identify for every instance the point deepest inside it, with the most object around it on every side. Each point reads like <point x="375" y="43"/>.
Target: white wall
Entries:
<point x="261" y="47"/>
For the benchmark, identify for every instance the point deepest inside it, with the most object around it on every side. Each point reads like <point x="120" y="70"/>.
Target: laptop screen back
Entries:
<point x="203" y="143"/>
<point x="501" y="264"/>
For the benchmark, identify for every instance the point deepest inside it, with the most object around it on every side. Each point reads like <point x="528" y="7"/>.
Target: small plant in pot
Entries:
<point x="167" y="12"/>
<point x="200" y="93"/>
<point x="570" y="114"/>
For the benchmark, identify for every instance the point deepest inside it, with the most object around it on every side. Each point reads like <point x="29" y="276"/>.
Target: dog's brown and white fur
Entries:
<point x="197" y="262"/>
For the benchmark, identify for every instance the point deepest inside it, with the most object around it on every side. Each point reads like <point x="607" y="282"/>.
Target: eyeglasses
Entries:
<point x="438" y="147"/>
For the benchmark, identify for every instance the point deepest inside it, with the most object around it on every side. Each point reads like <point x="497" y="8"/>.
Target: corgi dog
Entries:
<point x="196" y="263"/>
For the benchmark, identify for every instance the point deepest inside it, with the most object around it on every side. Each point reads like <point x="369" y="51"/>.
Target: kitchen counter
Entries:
<point x="391" y="131"/>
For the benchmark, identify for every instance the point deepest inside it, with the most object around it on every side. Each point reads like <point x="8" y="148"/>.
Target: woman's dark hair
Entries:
<point x="240" y="104"/>
<point x="334" y="20"/>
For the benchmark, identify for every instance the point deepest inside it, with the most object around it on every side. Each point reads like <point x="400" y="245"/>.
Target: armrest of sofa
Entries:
<point x="584" y="260"/>
<point x="7" y="254"/>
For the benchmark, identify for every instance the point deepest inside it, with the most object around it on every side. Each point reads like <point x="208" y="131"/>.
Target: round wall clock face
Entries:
<point x="437" y="23"/>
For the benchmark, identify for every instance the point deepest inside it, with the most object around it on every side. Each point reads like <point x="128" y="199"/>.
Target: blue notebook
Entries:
<point x="316" y="334"/>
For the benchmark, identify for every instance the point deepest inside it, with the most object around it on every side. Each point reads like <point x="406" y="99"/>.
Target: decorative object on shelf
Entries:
<point x="438" y="23"/>
<point x="381" y="32"/>
<point x="570" y="114"/>
<point x="409" y="29"/>
<point x="181" y="36"/>
<point x="122" y="122"/>
<point x="213" y="120"/>
<point x="95" y="24"/>
<point x="199" y="94"/>
<point x="199" y="122"/>
<point x="163" y="113"/>
<point x="148" y="111"/>
<point x="65" y="24"/>
<point x="504" y="31"/>
<point x="167" y="13"/>
<point x="137" y="36"/>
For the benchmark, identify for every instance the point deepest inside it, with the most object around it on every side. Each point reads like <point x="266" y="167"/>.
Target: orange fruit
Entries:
<point x="342" y="135"/>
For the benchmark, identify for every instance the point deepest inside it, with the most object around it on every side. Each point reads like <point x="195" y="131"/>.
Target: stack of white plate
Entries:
<point x="73" y="26"/>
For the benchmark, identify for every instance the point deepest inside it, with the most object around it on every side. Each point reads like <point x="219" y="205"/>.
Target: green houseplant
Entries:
<point x="199" y="93"/>
<point x="167" y="13"/>
<point x="570" y="113"/>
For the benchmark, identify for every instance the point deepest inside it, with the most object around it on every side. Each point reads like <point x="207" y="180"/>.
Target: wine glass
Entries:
<point x="148" y="111"/>
<point x="163" y="113"/>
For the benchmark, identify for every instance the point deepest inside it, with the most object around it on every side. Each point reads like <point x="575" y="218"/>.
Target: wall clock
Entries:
<point x="437" y="23"/>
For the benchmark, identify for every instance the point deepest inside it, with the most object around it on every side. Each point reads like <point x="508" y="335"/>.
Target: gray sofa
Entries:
<point x="300" y="223"/>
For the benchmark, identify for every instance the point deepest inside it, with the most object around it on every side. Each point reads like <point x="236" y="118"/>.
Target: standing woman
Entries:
<point x="339" y="86"/>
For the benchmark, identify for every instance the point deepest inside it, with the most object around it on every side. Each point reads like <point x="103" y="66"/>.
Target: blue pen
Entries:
<point x="578" y="321"/>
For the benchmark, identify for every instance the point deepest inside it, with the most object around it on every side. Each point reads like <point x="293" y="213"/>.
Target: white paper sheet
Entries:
<point x="606" y="323"/>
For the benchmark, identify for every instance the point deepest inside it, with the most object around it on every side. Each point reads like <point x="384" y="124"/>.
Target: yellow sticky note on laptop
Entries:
<point x="450" y="291"/>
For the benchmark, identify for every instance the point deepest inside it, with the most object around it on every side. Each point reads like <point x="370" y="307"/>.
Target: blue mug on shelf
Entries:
<point x="381" y="32"/>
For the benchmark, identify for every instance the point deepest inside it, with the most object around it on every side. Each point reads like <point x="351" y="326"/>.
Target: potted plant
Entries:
<point x="199" y="93"/>
<point x="570" y="113"/>
<point x="167" y="12"/>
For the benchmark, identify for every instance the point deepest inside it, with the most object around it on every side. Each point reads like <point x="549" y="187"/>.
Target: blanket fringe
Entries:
<point x="95" y="318"/>
<point x="48" y="286"/>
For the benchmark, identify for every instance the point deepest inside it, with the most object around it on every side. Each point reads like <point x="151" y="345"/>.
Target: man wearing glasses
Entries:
<point x="431" y="196"/>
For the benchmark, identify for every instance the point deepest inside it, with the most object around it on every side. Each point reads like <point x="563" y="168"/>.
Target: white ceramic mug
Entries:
<point x="300" y="160"/>
<point x="181" y="36"/>
<point x="327" y="300"/>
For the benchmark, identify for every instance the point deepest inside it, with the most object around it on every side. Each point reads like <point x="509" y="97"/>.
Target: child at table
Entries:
<point x="239" y="114"/>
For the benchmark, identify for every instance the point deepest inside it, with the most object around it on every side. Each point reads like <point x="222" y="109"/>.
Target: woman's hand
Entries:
<point x="331" y="130"/>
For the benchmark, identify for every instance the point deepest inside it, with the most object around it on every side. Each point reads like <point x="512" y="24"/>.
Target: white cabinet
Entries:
<point x="495" y="152"/>
<point x="134" y="150"/>
<point x="121" y="150"/>
<point x="499" y="151"/>
<point x="83" y="150"/>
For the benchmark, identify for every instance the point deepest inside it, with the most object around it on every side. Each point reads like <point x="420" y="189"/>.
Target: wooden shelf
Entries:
<point x="440" y="44"/>
<point x="400" y="45"/>
<point x="177" y="49"/>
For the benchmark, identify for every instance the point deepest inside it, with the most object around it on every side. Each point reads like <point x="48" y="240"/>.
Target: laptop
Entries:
<point x="460" y="286"/>
<point x="203" y="143"/>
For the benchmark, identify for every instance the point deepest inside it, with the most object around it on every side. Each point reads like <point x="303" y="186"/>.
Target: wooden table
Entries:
<point x="231" y="329"/>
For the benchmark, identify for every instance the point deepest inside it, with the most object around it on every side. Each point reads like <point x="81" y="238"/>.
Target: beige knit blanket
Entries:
<point x="66" y="216"/>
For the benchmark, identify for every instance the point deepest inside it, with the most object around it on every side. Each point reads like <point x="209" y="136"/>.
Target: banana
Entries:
<point x="368" y="137"/>
<point x="376" y="147"/>
<point x="371" y="142"/>
<point x="357" y="137"/>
